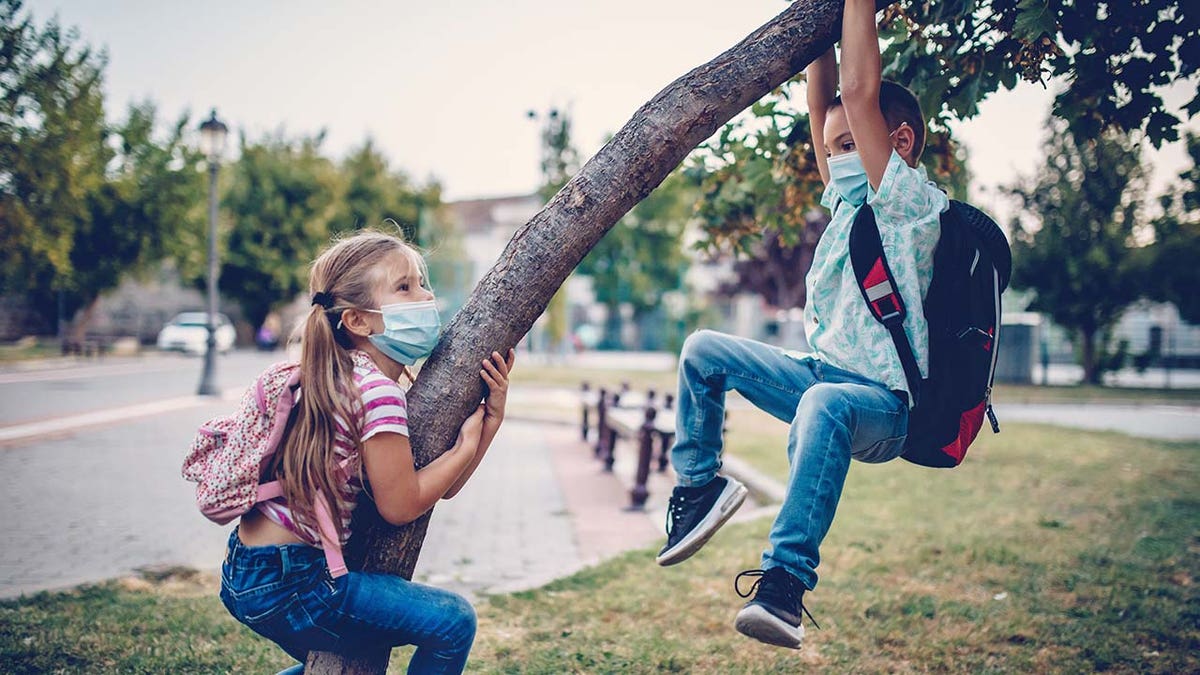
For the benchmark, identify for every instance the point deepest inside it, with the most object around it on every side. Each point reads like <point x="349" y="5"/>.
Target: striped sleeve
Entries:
<point x="384" y="406"/>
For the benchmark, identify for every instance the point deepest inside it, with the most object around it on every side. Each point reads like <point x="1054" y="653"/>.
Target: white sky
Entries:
<point x="444" y="87"/>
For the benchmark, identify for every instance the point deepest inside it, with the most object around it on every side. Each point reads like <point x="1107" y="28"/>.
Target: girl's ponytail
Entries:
<point x="344" y="277"/>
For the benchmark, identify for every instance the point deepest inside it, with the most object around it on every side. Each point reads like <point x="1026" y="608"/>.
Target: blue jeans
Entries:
<point x="286" y="594"/>
<point x="834" y="415"/>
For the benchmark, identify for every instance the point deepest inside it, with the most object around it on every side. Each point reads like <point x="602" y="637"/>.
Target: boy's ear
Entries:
<point x="904" y="140"/>
<point x="356" y="322"/>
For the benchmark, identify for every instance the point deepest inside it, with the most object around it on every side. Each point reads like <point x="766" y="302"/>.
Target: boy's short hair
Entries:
<point x="899" y="105"/>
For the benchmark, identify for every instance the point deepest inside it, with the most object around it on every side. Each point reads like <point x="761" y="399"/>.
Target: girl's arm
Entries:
<point x="402" y="493"/>
<point x="495" y="375"/>
<point x="822" y="79"/>
<point x="861" y="77"/>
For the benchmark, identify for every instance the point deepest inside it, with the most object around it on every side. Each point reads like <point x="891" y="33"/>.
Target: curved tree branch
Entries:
<point x="541" y="254"/>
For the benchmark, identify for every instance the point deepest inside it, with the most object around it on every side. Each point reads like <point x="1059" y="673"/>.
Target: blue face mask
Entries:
<point x="410" y="331"/>
<point x="848" y="176"/>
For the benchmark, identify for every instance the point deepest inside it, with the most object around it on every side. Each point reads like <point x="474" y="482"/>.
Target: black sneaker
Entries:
<point x="773" y="616"/>
<point x="694" y="514"/>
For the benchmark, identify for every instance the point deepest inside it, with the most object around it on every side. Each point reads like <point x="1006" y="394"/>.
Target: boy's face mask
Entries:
<point x="848" y="176"/>
<point x="410" y="331"/>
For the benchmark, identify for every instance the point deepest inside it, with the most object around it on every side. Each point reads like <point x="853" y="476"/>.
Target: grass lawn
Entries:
<point x="29" y="348"/>
<point x="1048" y="551"/>
<point x="666" y="381"/>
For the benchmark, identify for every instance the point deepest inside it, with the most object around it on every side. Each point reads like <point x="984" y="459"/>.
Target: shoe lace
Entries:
<point x="675" y="508"/>
<point x="792" y="591"/>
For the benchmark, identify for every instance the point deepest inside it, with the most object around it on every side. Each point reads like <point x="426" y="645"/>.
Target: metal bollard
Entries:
<point x="639" y="493"/>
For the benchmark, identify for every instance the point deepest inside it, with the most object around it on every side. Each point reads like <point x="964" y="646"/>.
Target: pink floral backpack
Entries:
<point x="230" y="452"/>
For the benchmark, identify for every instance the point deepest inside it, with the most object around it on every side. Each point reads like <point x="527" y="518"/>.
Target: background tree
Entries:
<point x="1077" y="252"/>
<point x="641" y="258"/>
<point x="375" y="193"/>
<point x="279" y="210"/>
<point x="560" y="161"/>
<point x="1173" y="260"/>
<point x="52" y="154"/>
<point x="150" y="195"/>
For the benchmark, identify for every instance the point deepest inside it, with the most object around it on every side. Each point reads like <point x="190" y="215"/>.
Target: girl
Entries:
<point x="372" y="316"/>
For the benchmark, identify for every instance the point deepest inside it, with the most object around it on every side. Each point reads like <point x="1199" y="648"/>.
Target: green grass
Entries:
<point x="1047" y="551"/>
<point x="666" y="381"/>
<point x="1024" y="393"/>
<point x="572" y="377"/>
<point x="27" y="349"/>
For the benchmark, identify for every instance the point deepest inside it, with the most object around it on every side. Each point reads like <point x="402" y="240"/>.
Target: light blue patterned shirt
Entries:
<point x="839" y="326"/>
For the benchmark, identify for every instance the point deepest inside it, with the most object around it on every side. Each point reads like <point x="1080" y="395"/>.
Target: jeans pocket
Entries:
<point x="290" y="623"/>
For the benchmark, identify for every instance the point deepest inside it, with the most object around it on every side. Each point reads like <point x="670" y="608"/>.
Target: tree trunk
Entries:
<point x="83" y="319"/>
<point x="1091" y="369"/>
<point x="541" y="254"/>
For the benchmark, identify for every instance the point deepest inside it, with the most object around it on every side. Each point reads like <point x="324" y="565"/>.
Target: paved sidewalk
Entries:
<point x="101" y="502"/>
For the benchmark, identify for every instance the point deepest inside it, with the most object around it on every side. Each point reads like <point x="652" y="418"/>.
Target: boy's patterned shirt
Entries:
<point x="837" y="322"/>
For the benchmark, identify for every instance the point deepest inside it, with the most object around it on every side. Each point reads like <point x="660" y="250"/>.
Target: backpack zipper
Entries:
<point x="987" y="397"/>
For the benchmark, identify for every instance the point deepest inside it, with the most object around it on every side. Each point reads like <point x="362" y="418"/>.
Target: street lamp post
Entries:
<point x="212" y="143"/>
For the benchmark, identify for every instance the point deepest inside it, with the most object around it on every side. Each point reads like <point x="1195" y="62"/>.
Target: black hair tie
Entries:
<point x="323" y="299"/>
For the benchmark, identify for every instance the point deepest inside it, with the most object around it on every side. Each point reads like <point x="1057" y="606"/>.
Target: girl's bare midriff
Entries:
<point x="258" y="530"/>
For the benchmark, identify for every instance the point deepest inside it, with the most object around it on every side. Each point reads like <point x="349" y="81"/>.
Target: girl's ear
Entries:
<point x="356" y="322"/>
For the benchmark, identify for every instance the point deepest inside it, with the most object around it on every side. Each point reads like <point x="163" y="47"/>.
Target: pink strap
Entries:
<point x="269" y="491"/>
<point x="329" y="540"/>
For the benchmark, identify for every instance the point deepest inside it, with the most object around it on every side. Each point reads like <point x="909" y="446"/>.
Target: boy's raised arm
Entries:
<point x="822" y="77"/>
<point x="861" y="76"/>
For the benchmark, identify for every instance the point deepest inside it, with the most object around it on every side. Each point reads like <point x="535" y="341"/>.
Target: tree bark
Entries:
<point x="541" y="254"/>
<point x="1091" y="369"/>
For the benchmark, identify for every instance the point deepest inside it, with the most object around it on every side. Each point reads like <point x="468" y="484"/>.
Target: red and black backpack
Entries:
<point x="971" y="268"/>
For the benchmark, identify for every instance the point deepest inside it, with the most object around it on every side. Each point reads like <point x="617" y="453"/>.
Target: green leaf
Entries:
<point x="1034" y="19"/>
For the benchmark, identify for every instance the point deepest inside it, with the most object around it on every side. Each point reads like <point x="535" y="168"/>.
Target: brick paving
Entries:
<point x="101" y="502"/>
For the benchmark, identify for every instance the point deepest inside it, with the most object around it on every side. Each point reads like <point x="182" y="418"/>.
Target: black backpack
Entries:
<point x="971" y="268"/>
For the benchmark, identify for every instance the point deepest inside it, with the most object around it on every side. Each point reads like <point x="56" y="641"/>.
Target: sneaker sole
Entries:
<point x="756" y="622"/>
<point x="730" y="500"/>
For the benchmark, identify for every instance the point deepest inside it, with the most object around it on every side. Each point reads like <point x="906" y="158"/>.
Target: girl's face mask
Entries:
<point x="410" y="331"/>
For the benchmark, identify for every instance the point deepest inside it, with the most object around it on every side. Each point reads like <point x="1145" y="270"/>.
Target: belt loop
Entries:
<point x="284" y="560"/>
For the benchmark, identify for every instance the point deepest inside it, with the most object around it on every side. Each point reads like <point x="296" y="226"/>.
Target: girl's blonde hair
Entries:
<point x="349" y="272"/>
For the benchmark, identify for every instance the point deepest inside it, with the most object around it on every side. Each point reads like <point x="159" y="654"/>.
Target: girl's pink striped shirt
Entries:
<point x="381" y="407"/>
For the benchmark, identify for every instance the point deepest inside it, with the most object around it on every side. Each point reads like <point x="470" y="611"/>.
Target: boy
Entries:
<point x="849" y="397"/>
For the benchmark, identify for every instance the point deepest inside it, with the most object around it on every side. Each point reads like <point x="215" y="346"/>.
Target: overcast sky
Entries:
<point x="444" y="87"/>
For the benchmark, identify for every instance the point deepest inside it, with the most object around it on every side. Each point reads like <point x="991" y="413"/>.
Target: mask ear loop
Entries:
<point x="339" y="323"/>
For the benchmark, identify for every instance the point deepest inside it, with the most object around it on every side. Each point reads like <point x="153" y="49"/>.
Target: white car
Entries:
<point x="188" y="333"/>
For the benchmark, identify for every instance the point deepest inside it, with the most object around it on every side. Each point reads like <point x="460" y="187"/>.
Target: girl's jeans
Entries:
<point x="285" y="594"/>
<point x="834" y="415"/>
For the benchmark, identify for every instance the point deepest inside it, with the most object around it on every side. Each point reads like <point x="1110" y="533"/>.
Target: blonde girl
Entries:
<point x="372" y="316"/>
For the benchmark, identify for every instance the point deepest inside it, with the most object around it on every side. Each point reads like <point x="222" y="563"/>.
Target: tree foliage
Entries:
<point x="279" y="208"/>
<point x="52" y="151"/>
<point x="1079" y="255"/>
<point x="1173" y="261"/>
<point x="151" y="193"/>
<point x="1113" y="55"/>
<point x="642" y="256"/>
<point x="82" y="202"/>
<point x="374" y="193"/>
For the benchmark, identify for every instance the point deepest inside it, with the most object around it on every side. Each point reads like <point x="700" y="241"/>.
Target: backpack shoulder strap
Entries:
<point x="880" y="291"/>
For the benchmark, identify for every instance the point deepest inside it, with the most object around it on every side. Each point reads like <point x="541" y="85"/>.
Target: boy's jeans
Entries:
<point x="834" y="415"/>
<point x="285" y="594"/>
